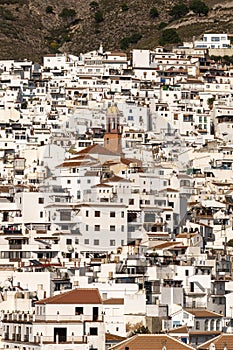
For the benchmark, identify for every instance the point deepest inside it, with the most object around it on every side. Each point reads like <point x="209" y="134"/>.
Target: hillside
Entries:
<point x="31" y="29"/>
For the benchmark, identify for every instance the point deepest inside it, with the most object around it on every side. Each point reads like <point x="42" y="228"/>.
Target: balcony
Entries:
<point x="5" y="336"/>
<point x="69" y="340"/>
<point x="15" y="246"/>
<point x="26" y="338"/>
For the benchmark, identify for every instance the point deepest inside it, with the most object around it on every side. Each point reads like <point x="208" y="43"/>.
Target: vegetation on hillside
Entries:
<point x="77" y="26"/>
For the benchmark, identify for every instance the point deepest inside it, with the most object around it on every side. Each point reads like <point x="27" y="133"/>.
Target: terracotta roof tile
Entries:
<point x="151" y="342"/>
<point x="75" y="296"/>
<point x="221" y="342"/>
<point x="114" y="301"/>
<point x="113" y="337"/>
<point x="182" y="329"/>
<point x="203" y="313"/>
<point x="96" y="149"/>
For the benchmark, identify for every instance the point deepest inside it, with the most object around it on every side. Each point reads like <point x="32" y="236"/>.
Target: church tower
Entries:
<point x="112" y="137"/>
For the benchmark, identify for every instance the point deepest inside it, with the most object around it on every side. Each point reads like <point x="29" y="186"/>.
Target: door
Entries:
<point x="60" y="335"/>
<point x="95" y="314"/>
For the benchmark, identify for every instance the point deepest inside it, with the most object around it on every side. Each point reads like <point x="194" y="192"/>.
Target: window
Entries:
<point x="131" y="201"/>
<point x="86" y="241"/>
<point x="122" y="228"/>
<point x="87" y="213"/>
<point x="93" y="331"/>
<point x="96" y="242"/>
<point x="212" y="325"/>
<point x="41" y="200"/>
<point x="97" y="214"/>
<point x="68" y="181"/>
<point x="112" y="214"/>
<point x="97" y="227"/>
<point x="122" y="214"/>
<point x="79" y="310"/>
<point x="41" y="214"/>
<point x="68" y="241"/>
<point x="65" y="216"/>
<point x="112" y="242"/>
<point x="197" y="325"/>
<point x="87" y="227"/>
<point x="112" y="228"/>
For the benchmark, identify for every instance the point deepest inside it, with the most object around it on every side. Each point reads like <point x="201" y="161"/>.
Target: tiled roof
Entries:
<point x="113" y="337"/>
<point x="114" y="301"/>
<point x="75" y="296"/>
<point x="203" y="313"/>
<point x="221" y="342"/>
<point x="96" y="149"/>
<point x="151" y="342"/>
<point x="182" y="329"/>
<point x="116" y="178"/>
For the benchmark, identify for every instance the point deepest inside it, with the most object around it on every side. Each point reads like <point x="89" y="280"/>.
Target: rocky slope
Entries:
<point x="31" y="29"/>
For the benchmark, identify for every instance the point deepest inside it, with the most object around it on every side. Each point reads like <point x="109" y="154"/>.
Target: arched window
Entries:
<point x="212" y="325"/>
<point x="218" y="323"/>
<point x="206" y="325"/>
<point x="197" y="325"/>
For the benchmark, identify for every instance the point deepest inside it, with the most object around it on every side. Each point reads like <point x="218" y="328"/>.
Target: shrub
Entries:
<point x="133" y="39"/>
<point x="178" y="11"/>
<point x="162" y="25"/>
<point x="99" y="17"/>
<point x="169" y="36"/>
<point x="154" y="13"/>
<point x="49" y="9"/>
<point x="67" y="13"/>
<point x="124" y="7"/>
<point x="94" y="5"/>
<point x="199" y="7"/>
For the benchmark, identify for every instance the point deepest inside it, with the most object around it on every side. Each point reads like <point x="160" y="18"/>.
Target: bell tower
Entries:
<point x="113" y="135"/>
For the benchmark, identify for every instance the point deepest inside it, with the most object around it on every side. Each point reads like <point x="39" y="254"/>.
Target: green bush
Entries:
<point x="124" y="7"/>
<point x="162" y="25"/>
<point x="94" y="5"/>
<point x="99" y="17"/>
<point x="199" y="7"/>
<point x="179" y="11"/>
<point x="67" y="13"/>
<point x="169" y="36"/>
<point x="154" y="13"/>
<point x="49" y="9"/>
<point x="133" y="39"/>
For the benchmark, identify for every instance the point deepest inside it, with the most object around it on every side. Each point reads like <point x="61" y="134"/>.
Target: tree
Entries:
<point x="179" y="11"/>
<point x="199" y="7"/>
<point x="133" y="39"/>
<point x="49" y="9"/>
<point x="169" y="36"/>
<point x="124" y="7"/>
<point x="154" y="13"/>
<point x="98" y="17"/>
<point x="94" y="5"/>
<point x="67" y="13"/>
<point x="141" y="330"/>
<point x="162" y="25"/>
